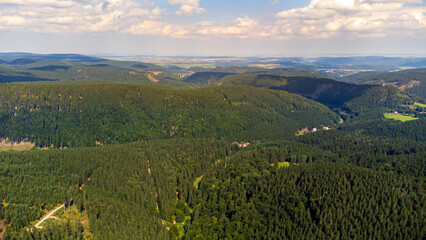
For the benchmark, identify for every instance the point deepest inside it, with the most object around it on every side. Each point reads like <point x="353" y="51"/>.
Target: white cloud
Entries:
<point x="75" y="15"/>
<point x="12" y="20"/>
<point x="147" y="27"/>
<point x="243" y="27"/>
<point x="50" y="3"/>
<point x="187" y="7"/>
<point x="356" y="18"/>
<point x="320" y="19"/>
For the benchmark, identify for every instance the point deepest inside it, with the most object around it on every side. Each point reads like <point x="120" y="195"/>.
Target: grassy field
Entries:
<point x="420" y="104"/>
<point x="22" y="146"/>
<point x="197" y="180"/>
<point x="282" y="164"/>
<point x="179" y="225"/>
<point x="399" y="117"/>
<point x="74" y="216"/>
<point x="302" y="132"/>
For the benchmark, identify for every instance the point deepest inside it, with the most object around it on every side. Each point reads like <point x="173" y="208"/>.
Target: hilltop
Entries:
<point x="212" y="77"/>
<point x="412" y="81"/>
<point x="133" y="149"/>
<point x="325" y="91"/>
<point x="24" y="67"/>
<point x="80" y="115"/>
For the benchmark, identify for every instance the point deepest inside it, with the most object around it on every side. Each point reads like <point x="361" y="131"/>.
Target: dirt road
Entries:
<point x="48" y="216"/>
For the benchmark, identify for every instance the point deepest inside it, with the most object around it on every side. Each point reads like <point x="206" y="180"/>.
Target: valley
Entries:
<point x="210" y="148"/>
<point x="212" y="120"/>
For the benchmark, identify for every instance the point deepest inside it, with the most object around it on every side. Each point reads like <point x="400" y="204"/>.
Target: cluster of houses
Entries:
<point x="323" y="128"/>
<point x="243" y="144"/>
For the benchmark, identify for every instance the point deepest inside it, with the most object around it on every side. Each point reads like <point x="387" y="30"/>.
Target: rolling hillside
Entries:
<point x="206" y="78"/>
<point x="412" y="81"/>
<point x="26" y="67"/>
<point x="101" y="73"/>
<point x="213" y="76"/>
<point x="11" y="75"/>
<point x="66" y="115"/>
<point x="335" y="94"/>
<point x="30" y="60"/>
<point x="173" y="158"/>
<point x="20" y="57"/>
<point x="138" y="151"/>
<point x="325" y="91"/>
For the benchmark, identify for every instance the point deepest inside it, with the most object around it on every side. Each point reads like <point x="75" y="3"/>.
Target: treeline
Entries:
<point x="146" y="190"/>
<point x="363" y="179"/>
<point x="384" y="154"/>
<point x="377" y="100"/>
<point x="155" y="185"/>
<point x="247" y="198"/>
<point x="325" y="91"/>
<point x="65" y="230"/>
<point x="33" y="181"/>
<point x="83" y="115"/>
<point x="387" y="128"/>
<point x="348" y="99"/>
<point x="127" y="191"/>
<point x="103" y="72"/>
<point x="412" y="80"/>
<point x="121" y="191"/>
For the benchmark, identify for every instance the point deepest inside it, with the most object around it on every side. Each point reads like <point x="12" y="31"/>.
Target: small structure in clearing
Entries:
<point x="242" y="144"/>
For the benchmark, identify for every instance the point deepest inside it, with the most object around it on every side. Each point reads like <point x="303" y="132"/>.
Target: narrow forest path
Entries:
<point x="48" y="216"/>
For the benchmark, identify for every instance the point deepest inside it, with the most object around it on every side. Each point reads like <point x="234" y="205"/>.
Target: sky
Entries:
<point x="215" y="27"/>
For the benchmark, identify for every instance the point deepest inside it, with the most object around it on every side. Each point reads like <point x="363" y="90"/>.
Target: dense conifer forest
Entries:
<point x="226" y="162"/>
<point x="80" y="115"/>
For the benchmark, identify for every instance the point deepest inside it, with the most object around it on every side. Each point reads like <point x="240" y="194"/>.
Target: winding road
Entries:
<point x="48" y="216"/>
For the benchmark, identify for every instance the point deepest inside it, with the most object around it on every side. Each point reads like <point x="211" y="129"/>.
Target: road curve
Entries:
<point x="48" y="216"/>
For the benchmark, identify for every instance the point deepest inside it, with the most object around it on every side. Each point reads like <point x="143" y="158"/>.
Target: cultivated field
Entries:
<point x="399" y="117"/>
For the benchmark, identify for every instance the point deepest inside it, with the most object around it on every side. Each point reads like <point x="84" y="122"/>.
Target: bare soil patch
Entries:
<point x="2" y="229"/>
<point x="151" y="77"/>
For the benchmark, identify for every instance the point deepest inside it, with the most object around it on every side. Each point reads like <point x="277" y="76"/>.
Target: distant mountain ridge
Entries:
<point x="348" y="100"/>
<point x="412" y="80"/>
<point x="211" y="78"/>
<point x="27" y="67"/>
<point x="325" y="91"/>
<point x="134" y="150"/>
<point x="127" y="113"/>
<point x="66" y="57"/>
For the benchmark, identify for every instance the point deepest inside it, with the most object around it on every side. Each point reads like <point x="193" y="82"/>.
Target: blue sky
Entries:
<point x="218" y="8"/>
<point x="214" y="27"/>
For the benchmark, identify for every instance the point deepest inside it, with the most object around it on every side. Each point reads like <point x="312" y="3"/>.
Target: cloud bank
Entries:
<point x="320" y="19"/>
<point x="188" y="7"/>
<point x="358" y="18"/>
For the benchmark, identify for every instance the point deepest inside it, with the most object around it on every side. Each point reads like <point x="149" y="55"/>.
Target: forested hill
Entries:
<point x="209" y="189"/>
<point x="26" y="67"/>
<point x="81" y="115"/>
<point x="30" y="60"/>
<point x="206" y="78"/>
<point x="325" y="91"/>
<point x="95" y="73"/>
<point x="186" y="175"/>
<point x="412" y="81"/>
<point x="212" y="77"/>
<point x="250" y="157"/>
